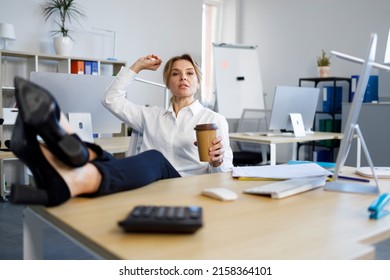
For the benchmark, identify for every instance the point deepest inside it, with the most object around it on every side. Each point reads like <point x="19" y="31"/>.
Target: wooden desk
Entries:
<point x="114" y="145"/>
<point x="272" y="141"/>
<point x="314" y="225"/>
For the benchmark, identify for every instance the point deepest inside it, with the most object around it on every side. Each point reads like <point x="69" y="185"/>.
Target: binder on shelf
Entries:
<point x="322" y="155"/>
<point x="328" y="105"/>
<point x="77" y="67"/>
<point x="329" y="125"/>
<point x="354" y="81"/>
<point x="326" y="126"/>
<point x="371" y="93"/>
<point x="88" y="67"/>
<point x="95" y="68"/>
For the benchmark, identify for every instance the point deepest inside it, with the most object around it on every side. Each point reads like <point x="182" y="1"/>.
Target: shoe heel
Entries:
<point x="40" y="111"/>
<point x="26" y="194"/>
<point x="72" y="151"/>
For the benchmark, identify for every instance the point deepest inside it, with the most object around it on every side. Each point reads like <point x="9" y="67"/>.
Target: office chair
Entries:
<point x="135" y="142"/>
<point x="252" y="120"/>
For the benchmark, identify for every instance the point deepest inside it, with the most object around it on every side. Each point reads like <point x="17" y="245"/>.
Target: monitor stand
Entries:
<point x="355" y="187"/>
<point x="82" y="125"/>
<point x="297" y="124"/>
<point x="309" y="131"/>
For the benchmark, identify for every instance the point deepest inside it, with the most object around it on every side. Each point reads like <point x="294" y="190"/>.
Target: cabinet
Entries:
<point x="372" y="124"/>
<point x="14" y="63"/>
<point x="333" y="92"/>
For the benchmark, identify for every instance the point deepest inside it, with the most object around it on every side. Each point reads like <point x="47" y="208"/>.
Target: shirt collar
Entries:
<point x="195" y="107"/>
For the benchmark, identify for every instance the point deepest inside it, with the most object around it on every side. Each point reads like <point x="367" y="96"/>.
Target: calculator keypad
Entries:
<point x="175" y="219"/>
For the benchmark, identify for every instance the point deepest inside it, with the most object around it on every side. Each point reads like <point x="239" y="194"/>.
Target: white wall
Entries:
<point x="291" y="34"/>
<point x="165" y="28"/>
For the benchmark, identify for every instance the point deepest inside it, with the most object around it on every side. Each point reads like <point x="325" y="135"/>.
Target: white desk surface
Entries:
<point x="263" y="139"/>
<point x="272" y="141"/>
<point x="112" y="145"/>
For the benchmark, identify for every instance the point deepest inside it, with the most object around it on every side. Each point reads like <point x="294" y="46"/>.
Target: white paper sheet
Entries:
<point x="280" y="171"/>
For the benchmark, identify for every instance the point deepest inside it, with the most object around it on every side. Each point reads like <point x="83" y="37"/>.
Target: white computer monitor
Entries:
<point x="290" y="99"/>
<point x="351" y="126"/>
<point x="81" y="94"/>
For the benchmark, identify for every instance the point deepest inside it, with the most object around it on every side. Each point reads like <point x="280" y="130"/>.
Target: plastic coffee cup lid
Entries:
<point x="206" y="126"/>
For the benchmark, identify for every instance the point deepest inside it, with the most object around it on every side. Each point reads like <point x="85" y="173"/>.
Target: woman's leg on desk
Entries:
<point x="132" y="172"/>
<point x="56" y="179"/>
<point x="105" y="174"/>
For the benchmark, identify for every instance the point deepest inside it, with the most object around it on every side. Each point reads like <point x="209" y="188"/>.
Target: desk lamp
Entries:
<point x="387" y="52"/>
<point x="7" y="32"/>
<point x="361" y="60"/>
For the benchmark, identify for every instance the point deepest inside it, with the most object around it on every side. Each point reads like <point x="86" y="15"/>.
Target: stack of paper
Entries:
<point x="279" y="171"/>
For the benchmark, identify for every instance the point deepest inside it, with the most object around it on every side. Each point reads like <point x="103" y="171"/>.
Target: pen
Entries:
<point x="352" y="178"/>
<point x="258" y="179"/>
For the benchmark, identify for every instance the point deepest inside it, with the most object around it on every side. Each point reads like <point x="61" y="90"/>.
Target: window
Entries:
<point x="210" y="34"/>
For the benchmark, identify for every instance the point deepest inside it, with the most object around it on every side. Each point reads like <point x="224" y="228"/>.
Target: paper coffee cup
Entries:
<point x="205" y="134"/>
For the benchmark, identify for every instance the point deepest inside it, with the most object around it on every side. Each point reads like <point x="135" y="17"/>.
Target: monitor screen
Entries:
<point x="288" y="99"/>
<point x="81" y="94"/>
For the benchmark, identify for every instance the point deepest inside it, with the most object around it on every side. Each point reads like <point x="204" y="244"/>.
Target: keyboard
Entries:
<point x="274" y="134"/>
<point x="279" y="134"/>
<point x="287" y="188"/>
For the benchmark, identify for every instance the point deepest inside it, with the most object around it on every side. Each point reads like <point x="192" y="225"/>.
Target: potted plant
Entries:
<point x="323" y="64"/>
<point x="67" y="10"/>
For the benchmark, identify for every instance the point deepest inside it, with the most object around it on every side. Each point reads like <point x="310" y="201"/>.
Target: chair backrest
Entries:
<point x="252" y="120"/>
<point x="135" y="143"/>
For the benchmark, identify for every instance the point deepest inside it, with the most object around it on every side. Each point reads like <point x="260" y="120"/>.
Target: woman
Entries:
<point x="171" y="131"/>
<point x="65" y="166"/>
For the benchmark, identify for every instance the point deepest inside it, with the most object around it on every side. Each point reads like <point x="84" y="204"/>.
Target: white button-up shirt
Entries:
<point x="172" y="135"/>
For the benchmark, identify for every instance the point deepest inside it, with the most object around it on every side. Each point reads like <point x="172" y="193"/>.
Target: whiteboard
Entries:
<point x="238" y="79"/>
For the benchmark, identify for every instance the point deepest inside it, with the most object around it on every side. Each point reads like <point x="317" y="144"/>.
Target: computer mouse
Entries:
<point x="222" y="194"/>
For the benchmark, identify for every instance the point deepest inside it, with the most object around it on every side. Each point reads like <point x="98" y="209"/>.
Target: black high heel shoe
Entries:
<point x="51" y="189"/>
<point x="40" y="111"/>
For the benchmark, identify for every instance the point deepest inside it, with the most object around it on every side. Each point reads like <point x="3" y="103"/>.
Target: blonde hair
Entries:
<point x="168" y="68"/>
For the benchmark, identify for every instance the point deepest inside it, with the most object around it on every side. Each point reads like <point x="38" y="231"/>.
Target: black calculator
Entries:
<point x="164" y="219"/>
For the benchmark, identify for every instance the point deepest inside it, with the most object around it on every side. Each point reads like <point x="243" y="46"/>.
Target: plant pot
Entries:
<point x="323" y="71"/>
<point x="63" y="45"/>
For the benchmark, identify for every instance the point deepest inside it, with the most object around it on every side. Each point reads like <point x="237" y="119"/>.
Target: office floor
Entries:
<point x="58" y="247"/>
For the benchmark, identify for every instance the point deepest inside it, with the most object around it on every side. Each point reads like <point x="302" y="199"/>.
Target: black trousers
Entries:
<point x="132" y="172"/>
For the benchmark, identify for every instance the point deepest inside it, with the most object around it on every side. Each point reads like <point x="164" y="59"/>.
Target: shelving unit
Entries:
<point x="332" y="114"/>
<point x="15" y="63"/>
